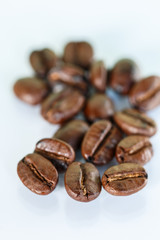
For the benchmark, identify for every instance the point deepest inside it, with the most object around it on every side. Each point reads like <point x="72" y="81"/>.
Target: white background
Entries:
<point x="116" y="29"/>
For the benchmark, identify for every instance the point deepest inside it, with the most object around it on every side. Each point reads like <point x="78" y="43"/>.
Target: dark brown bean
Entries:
<point x="37" y="173"/>
<point x="135" y="149"/>
<point x="78" y="53"/>
<point x="82" y="181"/>
<point x="145" y="95"/>
<point x="69" y="75"/>
<point x="42" y="61"/>
<point x="72" y="132"/>
<point x="31" y="90"/>
<point x="62" y="106"/>
<point x="124" y="179"/>
<point x="133" y="122"/>
<point x="124" y="74"/>
<point x="57" y="151"/>
<point x="98" y="76"/>
<point x="100" y="141"/>
<point x="99" y="106"/>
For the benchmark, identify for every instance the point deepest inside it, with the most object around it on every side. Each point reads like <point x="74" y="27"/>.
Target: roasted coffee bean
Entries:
<point x="124" y="179"/>
<point x="31" y="90"/>
<point x="134" y="149"/>
<point x="69" y="69"/>
<point x="99" y="106"/>
<point x="133" y="122"/>
<point x="42" y="61"/>
<point x="72" y="70"/>
<point x="57" y="151"/>
<point x="124" y="74"/>
<point x="82" y="181"/>
<point x="38" y="174"/>
<point x="62" y="106"/>
<point x="100" y="142"/>
<point x="72" y="132"/>
<point x="69" y="75"/>
<point x="98" y="76"/>
<point x="78" y="53"/>
<point x="145" y="95"/>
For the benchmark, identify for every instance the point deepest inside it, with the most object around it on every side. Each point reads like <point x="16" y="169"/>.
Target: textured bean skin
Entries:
<point x="42" y="61"/>
<point x="145" y="95"/>
<point x="72" y="132"/>
<point x="37" y="174"/>
<point x="99" y="106"/>
<point x="100" y="142"/>
<point x="62" y="106"/>
<point x="82" y="181"/>
<point x="31" y="90"/>
<point x="78" y="53"/>
<point x="57" y="151"/>
<point x="133" y="122"/>
<point x="98" y="76"/>
<point x="124" y="74"/>
<point x="135" y="149"/>
<point x="124" y="179"/>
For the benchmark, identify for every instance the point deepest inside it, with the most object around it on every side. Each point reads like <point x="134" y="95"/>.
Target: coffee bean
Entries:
<point x="82" y="181"/>
<point x="99" y="106"/>
<point x="31" y="90"/>
<point x="135" y="149"/>
<point x="78" y="53"/>
<point x="145" y="95"/>
<point x="37" y="173"/>
<point x="69" y="75"/>
<point x="124" y="74"/>
<point x="72" y="70"/>
<point x="134" y="122"/>
<point x="42" y="61"/>
<point x="98" y="76"/>
<point x="124" y="179"/>
<point x="69" y="69"/>
<point x="57" y="151"/>
<point x="72" y="132"/>
<point x="62" y="106"/>
<point x="100" y="141"/>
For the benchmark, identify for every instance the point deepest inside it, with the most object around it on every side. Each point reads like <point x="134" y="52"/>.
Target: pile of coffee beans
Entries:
<point x="75" y="84"/>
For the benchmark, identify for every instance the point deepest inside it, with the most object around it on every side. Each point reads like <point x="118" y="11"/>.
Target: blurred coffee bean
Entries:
<point x="135" y="149"/>
<point x="99" y="106"/>
<point x="132" y="122"/>
<point x="124" y="74"/>
<point x="73" y="70"/>
<point x="62" y="106"/>
<point x="100" y="142"/>
<point x="31" y="90"/>
<point x="98" y="76"/>
<point x="57" y="151"/>
<point x="68" y="75"/>
<point x="42" y="61"/>
<point x="79" y="53"/>
<point x="145" y="95"/>
<point x="72" y="132"/>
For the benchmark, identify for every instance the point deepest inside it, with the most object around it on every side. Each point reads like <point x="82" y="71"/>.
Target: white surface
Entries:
<point x="116" y="29"/>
